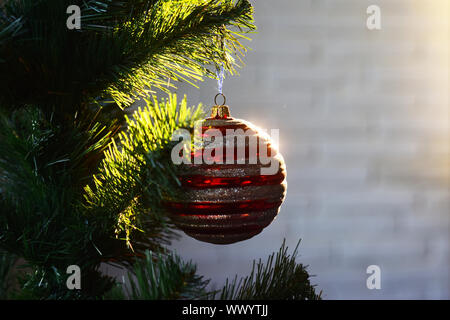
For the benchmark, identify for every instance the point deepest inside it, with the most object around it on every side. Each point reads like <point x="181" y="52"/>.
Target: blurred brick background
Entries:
<point x="364" y="129"/>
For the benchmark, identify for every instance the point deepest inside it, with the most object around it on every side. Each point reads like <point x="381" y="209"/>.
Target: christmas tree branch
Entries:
<point x="41" y="169"/>
<point x="280" y="278"/>
<point x="7" y="261"/>
<point x="137" y="172"/>
<point x="123" y="49"/>
<point x="43" y="215"/>
<point x="158" y="277"/>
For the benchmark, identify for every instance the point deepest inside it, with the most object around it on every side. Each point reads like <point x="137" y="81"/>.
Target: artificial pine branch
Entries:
<point x="7" y="261"/>
<point x="41" y="169"/>
<point x="43" y="215"/>
<point x="162" y="277"/>
<point x="280" y="278"/>
<point x="137" y="172"/>
<point x="123" y="49"/>
<point x="158" y="277"/>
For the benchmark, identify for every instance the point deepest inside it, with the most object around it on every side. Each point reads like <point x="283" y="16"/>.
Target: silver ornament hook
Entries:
<point x="224" y="99"/>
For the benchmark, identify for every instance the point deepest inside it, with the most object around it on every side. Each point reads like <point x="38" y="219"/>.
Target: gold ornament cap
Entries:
<point x="220" y="111"/>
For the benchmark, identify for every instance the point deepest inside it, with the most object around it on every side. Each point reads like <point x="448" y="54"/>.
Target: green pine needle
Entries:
<point x="7" y="261"/>
<point x="162" y="277"/>
<point x="137" y="171"/>
<point x="280" y="278"/>
<point x="158" y="277"/>
<point x="124" y="50"/>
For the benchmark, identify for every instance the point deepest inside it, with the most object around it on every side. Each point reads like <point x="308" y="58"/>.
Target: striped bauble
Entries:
<point x="227" y="202"/>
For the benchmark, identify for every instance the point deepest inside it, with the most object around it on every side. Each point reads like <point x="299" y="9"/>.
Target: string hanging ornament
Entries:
<point x="234" y="183"/>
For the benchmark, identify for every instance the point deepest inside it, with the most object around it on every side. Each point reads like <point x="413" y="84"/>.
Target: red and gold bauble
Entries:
<point x="224" y="203"/>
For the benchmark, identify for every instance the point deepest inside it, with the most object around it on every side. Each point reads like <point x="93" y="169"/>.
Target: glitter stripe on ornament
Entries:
<point x="211" y="208"/>
<point x="236" y="194"/>
<point x="223" y="228"/>
<point x="225" y="223"/>
<point x="200" y="181"/>
<point x="225" y="170"/>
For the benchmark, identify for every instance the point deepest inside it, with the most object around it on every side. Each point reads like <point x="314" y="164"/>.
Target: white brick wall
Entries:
<point x="364" y="128"/>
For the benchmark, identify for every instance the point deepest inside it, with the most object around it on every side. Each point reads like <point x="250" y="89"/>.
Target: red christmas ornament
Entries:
<point x="240" y="193"/>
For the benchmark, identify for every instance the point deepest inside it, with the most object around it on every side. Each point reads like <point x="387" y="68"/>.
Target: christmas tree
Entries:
<point x="82" y="180"/>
